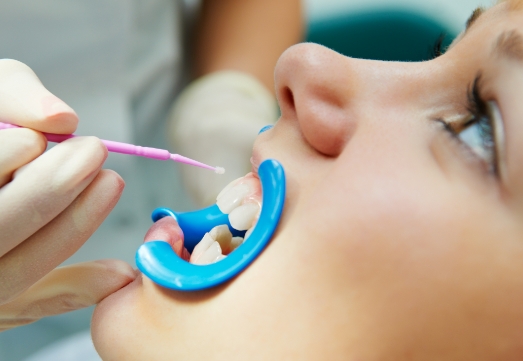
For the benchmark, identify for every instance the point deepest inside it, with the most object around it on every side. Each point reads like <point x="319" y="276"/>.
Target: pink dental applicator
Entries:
<point x="124" y="148"/>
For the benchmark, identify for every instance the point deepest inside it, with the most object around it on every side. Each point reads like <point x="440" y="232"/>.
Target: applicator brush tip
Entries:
<point x="219" y="170"/>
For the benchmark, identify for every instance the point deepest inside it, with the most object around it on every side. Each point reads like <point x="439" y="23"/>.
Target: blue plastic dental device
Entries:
<point x="158" y="261"/>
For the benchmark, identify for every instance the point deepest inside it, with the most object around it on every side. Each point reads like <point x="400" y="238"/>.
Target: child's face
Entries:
<point x="397" y="241"/>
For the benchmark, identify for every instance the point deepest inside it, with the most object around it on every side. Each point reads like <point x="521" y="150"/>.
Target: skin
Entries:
<point x="395" y="242"/>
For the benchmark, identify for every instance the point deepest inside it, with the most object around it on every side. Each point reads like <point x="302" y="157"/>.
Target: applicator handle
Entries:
<point x="125" y="148"/>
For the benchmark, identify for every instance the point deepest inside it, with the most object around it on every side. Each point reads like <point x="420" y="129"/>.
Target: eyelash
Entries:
<point x="480" y="116"/>
<point x="437" y="48"/>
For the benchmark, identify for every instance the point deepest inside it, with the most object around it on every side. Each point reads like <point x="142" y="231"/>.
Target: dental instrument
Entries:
<point x="125" y="148"/>
<point x="158" y="261"/>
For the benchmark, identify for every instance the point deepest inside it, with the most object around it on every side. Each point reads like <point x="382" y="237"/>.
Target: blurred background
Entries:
<point x="403" y="30"/>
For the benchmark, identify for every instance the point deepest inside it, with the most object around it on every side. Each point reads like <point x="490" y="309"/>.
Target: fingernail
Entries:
<point x="265" y="128"/>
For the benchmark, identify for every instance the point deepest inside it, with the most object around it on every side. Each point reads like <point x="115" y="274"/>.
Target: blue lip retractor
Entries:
<point x="158" y="261"/>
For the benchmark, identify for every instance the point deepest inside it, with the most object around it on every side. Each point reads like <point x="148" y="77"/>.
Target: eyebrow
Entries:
<point x="473" y="17"/>
<point x="509" y="45"/>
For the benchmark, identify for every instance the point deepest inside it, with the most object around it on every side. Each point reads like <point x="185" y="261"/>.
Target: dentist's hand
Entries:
<point x="50" y="204"/>
<point x="215" y="121"/>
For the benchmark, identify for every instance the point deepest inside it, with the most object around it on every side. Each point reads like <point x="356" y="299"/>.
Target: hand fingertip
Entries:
<point x="117" y="180"/>
<point x="62" y="118"/>
<point x="120" y="268"/>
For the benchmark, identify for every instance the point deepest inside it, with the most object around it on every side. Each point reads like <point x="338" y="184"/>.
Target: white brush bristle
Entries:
<point x="219" y="170"/>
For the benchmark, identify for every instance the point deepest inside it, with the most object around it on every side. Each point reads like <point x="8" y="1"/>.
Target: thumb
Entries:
<point x="26" y="102"/>
<point x="66" y="289"/>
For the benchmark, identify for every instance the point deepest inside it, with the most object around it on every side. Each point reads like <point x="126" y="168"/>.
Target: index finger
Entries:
<point x="17" y="148"/>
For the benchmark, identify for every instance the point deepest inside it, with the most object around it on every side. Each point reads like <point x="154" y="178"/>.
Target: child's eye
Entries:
<point x="478" y="135"/>
<point x="479" y="131"/>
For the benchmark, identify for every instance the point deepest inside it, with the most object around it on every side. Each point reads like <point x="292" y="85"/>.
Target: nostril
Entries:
<point x="288" y="97"/>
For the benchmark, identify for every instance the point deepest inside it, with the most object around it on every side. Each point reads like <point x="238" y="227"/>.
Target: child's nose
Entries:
<point x="331" y="95"/>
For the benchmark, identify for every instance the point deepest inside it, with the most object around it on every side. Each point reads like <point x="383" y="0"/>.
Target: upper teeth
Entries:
<point x="232" y="198"/>
<point x="241" y="200"/>
<point x="244" y="217"/>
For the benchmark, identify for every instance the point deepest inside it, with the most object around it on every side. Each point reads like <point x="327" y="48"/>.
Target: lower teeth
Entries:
<point x="215" y="245"/>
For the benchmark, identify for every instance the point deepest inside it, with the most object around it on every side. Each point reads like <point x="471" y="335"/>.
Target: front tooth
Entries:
<point x="243" y="217"/>
<point x="201" y="247"/>
<point x="227" y="187"/>
<point x="210" y="255"/>
<point x="233" y="197"/>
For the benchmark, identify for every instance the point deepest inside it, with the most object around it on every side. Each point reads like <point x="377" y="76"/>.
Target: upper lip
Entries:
<point x="254" y="167"/>
<point x="256" y="160"/>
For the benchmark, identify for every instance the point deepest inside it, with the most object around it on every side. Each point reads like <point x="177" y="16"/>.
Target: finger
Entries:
<point x="167" y="230"/>
<point x="66" y="289"/>
<point x="26" y="102"/>
<point x="18" y="147"/>
<point x="59" y="239"/>
<point x="46" y="186"/>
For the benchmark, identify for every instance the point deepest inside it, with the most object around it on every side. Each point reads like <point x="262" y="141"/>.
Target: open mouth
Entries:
<point x="241" y="200"/>
<point x="224" y="238"/>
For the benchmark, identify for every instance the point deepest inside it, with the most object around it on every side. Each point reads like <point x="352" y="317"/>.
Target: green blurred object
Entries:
<point x="393" y="34"/>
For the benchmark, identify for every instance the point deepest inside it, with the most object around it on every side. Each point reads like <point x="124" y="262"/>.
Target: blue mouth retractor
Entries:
<point x="158" y="261"/>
